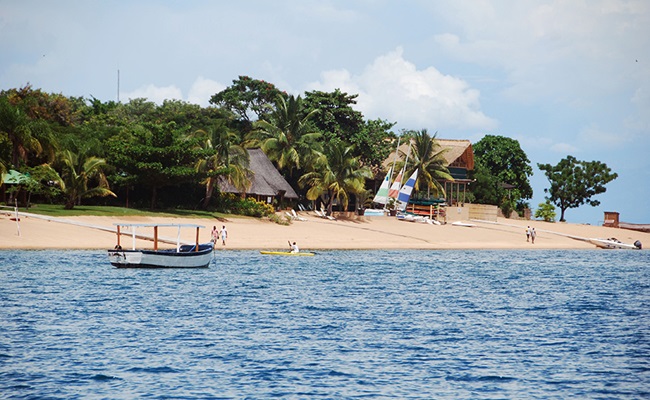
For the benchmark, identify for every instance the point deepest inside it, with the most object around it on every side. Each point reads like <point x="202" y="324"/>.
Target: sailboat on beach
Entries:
<point x="382" y="194"/>
<point x="404" y="193"/>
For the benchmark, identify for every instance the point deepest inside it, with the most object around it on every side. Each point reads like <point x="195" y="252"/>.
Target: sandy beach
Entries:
<point x="315" y="233"/>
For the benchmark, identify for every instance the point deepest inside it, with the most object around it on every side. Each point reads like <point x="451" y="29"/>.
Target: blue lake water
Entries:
<point x="342" y="324"/>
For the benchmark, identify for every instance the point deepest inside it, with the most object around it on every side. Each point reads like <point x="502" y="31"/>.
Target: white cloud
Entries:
<point x="393" y="88"/>
<point x="202" y="90"/>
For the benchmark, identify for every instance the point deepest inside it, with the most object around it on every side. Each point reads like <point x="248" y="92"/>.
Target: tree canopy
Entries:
<point x="501" y="171"/>
<point x="574" y="182"/>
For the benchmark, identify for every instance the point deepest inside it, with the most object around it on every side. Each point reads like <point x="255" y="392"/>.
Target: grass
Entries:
<point x="57" y="210"/>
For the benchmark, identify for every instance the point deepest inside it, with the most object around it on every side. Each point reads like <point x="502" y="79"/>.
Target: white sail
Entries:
<point x="382" y="194"/>
<point x="405" y="192"/>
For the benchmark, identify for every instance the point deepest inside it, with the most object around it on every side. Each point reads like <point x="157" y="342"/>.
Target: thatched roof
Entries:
<point x="458" y="153"/>
<point x="266" y="180"/>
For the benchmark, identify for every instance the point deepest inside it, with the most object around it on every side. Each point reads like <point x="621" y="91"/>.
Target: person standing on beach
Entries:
<point x="528" y="233"/>
<point x="214" y="235"/>
<point x="532" y="235"/>
<point x="224" y="235"/>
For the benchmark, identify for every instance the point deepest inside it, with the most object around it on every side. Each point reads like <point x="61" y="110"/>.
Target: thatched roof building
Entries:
<point x="266" y="180"/>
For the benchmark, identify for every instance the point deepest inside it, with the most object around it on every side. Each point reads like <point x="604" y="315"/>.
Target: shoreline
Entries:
<point x="314" y="233"/>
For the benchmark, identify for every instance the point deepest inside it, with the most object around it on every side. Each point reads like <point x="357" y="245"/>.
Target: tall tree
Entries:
<point x="247" y="97"/>
<point x="502" y="161"/>
<point x="153" y="156"/>
<point x="27" y="136"/>
<point x="335" y="117"/>
<point x="224" y="156"/>
<point x="82" y="177"/>
<point x="336" y="175"/>
<point x="575" y="182"/>
<point x="285" y="136"/>
<point x="427" y="156"/>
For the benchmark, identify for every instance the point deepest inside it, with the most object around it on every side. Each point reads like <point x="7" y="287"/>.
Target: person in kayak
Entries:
<point x="294" y="247"/>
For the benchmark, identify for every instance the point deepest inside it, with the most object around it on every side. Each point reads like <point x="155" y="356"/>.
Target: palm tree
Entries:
<point x="225" y="158"/>
<point x="77" y="172"/>
<point x="427" y="156"/>
<point x="287" y="138"/>
<point x="336" y="174"/>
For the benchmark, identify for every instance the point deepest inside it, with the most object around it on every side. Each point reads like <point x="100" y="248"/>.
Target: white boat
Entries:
<point x="613" y="243"/>
<point x="183" y="256"/>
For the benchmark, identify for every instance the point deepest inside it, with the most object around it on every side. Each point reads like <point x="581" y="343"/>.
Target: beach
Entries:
<point x="314" y="233"/>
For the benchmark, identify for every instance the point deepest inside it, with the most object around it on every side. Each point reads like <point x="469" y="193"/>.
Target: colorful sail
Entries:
<point x="382" y="194"/>
<point x="405" y="192"/>
<point x="394" y="189"/>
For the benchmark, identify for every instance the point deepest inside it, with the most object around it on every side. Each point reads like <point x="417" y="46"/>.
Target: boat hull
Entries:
<point x="286" y="253"/>
<point x="185" y="258"/>
<point x="612" y="244"/>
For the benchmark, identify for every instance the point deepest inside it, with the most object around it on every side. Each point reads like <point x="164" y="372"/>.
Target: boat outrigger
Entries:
<point x="183" y="256"/>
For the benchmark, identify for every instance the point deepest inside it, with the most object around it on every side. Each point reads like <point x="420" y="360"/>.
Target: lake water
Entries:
<point x="342" y="324"/>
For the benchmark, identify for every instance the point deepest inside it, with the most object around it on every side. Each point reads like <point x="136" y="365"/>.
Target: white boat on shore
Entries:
<point x="183" y="256"/>
<point x="613" y="243"/>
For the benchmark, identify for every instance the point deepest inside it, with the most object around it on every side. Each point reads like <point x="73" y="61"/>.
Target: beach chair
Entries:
<point x="324" y="215"/>
<point x="296" y="216"/>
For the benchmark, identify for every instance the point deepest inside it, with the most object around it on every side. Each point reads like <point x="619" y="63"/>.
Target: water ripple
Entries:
<point x="343" y="324"/>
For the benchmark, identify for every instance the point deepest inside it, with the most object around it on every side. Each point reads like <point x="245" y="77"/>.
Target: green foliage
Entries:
<point x="546" y="211"/>
<point x="500" y="160"/>
<point x="286" y="137"/>
<point x="575" y="182"/>
<point x="427" y="156"/>
<point x="82" y="177"/>
<point x="247" y="95"/>
<point x="335" y="117"/>
<point x="374" y="143"/>
<point x="335" y="175"/>
<point x="230" y="203"/>
<point x="153" y="156"/>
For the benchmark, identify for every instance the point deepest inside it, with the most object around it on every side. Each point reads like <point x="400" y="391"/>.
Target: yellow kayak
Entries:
<point x="286" y="253"/>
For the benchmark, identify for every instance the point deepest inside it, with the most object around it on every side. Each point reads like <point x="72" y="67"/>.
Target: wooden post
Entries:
<point x="196" y="248"/>
<point x="155" y="238"/>
<point x="118" y="236"/>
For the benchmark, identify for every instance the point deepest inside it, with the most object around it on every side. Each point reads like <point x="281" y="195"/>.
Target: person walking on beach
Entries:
<point x="532" y="235"/>
<point x="224" y="235"/>
<point x="214" y="235"/>
<point x="528" y="233"/>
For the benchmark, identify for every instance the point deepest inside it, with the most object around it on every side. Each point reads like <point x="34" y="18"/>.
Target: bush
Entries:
<point x="232" y="204"/>
<point x="546" y="211"/>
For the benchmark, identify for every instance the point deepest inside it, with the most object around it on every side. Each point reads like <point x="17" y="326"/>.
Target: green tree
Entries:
<point x="336" y="175"/>
<point x="427" y="156"/>
<point x="500" y="160"/>
<point x="286" y="137"/>
<point x="153" y="156"/>
<point x="223" y="157"/>
<point x="335" y="117"/>
<point x="575" y="182"/>
<point x="374" y="143"/>
<point x="246" y="97"/>
<point x="26" y="136"/>
<point x="546" y="211"/>
<point x="82" y="177"/>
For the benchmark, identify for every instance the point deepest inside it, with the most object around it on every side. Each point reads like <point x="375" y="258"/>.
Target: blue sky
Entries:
<point x="561" y="77"/>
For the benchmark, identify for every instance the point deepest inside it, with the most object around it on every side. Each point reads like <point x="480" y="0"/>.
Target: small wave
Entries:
<point x="155" y="370"/>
